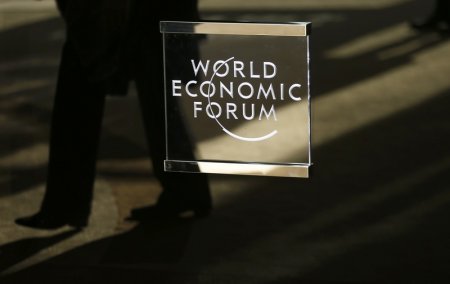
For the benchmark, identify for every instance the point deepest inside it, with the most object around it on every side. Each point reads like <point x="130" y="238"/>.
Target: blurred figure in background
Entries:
<point x="439" y="20"/>
<point x="107" y="44"/>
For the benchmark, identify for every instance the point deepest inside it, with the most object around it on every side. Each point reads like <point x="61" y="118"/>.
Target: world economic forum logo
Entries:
<point x="238" y="90"/>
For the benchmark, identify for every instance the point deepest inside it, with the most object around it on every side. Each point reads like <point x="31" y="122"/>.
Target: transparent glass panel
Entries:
<point x="236" y="95"/>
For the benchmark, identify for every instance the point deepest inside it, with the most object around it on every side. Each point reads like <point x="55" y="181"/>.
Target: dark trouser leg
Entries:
<point x="75" y="131"/>
<point x="180" y="190"/>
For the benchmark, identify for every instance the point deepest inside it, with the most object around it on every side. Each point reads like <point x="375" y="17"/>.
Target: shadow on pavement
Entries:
<point x="17" y="251"/>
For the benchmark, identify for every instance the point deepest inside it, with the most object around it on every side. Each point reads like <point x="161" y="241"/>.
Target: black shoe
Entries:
<point x="48" y="222"/>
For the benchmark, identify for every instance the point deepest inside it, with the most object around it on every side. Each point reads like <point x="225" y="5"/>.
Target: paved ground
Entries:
<point x="376" y="210"/>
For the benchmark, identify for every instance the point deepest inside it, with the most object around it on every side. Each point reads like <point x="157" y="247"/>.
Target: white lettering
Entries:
<point x="265" y="93"/>
<point x="211" y="113"/>
<point x="244" y="113"/>
<point x="220" y="64"/>
<point x="266" y="71"/>
<point x="197" y="107"/>
<point x="176" y="85"/>
<point x="228" y="90"/>
<point x="271" y="111"/>
<point x="250" y="88"/>
<point x="290" y="92"/>
<point x="231" y="109"/>
<point x="210" y="91"/>
<point x="238" y="69"/>
<point x="200" y="65"/>
<point x="251" y="71"/>
<point x="188" y="85"/>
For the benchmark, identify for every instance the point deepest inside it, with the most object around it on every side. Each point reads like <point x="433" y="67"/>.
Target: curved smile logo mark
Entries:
<point x="248" y="139"/>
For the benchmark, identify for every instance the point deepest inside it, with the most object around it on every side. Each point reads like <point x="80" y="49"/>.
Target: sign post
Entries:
<point x="237" y="98"/>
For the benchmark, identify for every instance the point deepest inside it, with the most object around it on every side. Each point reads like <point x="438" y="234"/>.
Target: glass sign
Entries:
<point x="237" y="98"/>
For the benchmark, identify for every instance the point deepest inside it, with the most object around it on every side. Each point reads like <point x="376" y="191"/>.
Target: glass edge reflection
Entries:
<point x="235" y="168"/>
<point x="237" y="28"/>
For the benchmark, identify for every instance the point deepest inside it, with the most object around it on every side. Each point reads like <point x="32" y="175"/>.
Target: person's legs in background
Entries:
<point x="75" y="133"/>
<point x="181" y="191"/>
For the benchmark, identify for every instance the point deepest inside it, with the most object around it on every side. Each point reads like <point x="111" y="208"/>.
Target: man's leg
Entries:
<point x="181" y="191"/>
<point x="74" y="138"/>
